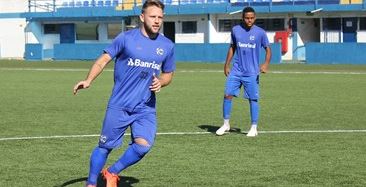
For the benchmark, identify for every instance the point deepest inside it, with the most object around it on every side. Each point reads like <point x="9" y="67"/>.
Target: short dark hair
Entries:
<point x="248" y="9"/>
<point x="149" y="3"/>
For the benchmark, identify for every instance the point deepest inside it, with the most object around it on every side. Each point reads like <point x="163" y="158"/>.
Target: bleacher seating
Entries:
<point x="129" y="4"/>
<point x="85" y="3"/>
<point x="90" y="3"/>
<point x="100" y="3"/>
<point x="350" y="2"/>
<point x="107" y="3"/>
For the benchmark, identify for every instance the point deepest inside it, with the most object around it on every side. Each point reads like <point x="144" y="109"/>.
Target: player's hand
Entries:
<point x="264" y="68"/>
<point x="155" y="85"/>
<point x="81" y="85"/>
<point x="226" y="70"/>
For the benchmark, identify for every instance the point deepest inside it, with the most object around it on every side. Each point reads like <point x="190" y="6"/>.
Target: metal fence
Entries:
<point x="53" y="5"/>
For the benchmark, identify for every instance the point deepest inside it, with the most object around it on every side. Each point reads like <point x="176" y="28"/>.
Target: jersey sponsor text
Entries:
<point x="139" y="63"/>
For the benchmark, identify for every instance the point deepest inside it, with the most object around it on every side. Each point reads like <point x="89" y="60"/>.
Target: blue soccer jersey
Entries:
<point x="248" y="45"/>
<point x="137" y="59"/>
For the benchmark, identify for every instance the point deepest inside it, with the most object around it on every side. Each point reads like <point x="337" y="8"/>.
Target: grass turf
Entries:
<point x="36" y="100"/>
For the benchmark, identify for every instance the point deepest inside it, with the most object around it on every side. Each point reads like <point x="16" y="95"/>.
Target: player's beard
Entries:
<point x="150" y="30"/>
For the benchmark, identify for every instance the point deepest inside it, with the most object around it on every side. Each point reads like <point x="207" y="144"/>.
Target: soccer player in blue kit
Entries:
<point x="246" y="42"/>
<point x="140" y="54"/>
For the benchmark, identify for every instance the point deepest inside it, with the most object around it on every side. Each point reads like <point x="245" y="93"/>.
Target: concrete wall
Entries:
<point x="335" y="53"/>
<point x="361" y="36"/>
<point x="183" y="52"/>
<point x="198" y="37"/>
<point x="12" y="38"/>
<point x="34" y="33"/>
<point x="78" y="51"/>
<point x="33" y="52"/>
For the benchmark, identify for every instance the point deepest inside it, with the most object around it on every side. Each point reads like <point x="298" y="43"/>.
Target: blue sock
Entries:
<point x="97" y="161"/>
<point x="133" y="154"/>
<point x="226" y="108"/>
<point x="254" y="111"/>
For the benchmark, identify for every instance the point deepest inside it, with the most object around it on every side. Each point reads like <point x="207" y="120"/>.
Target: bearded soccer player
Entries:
<point x="140" y="56"/>
<point x="247" y="40"/>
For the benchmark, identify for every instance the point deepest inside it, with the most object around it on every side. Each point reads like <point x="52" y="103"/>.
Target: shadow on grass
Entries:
<point x="212" y="129"/>
<point x="124" y="182"/>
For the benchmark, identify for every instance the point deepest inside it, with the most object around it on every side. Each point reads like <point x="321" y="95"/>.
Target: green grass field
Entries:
<point x="307" y="114"/>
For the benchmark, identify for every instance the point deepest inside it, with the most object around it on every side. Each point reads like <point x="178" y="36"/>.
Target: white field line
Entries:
<point x="49" y="69"/>
<point x="183" y="133"/>
<point x="188" y="71"/>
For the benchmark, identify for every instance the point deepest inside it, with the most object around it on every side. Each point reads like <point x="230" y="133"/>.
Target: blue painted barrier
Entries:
<point x="183" y="52"/>
<point x="335" y="53"/>
<point x="33" y="52"/>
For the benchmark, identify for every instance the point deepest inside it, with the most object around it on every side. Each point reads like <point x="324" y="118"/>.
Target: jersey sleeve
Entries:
<point x="233" y="41"/>
<point x="169" y="63"/>
<point x="116" y="47"/>
<point x="264" y="42"/>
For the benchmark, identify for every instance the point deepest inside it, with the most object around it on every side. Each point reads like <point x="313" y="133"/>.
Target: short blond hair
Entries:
<point x="149" y="3"/>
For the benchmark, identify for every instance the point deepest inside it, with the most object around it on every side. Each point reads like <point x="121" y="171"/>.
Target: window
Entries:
<point x="189" y="27"/>
<point x="276" y="24"/>
<point x="332" y="24"/>
<point x="51" y="29"/>
<point x="271" y="24"/>
<point x="225" y="25"/>
<point x="114" y="29"/>
<point x="261" y="23"/>
<point x="86" y="31"/>
<point x="363" y="23"/>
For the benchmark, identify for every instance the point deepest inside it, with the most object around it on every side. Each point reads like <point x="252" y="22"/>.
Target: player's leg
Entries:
<point x="232" y="88"/>
<point x="143" y="135"/>
<point x="226" y="111"/>
<point x="254" y="114"/>
<point x="97" y="160"/>
<point x="114" y="125"/>
<point x="134" y="153"/>
<point x="251" y="89"/>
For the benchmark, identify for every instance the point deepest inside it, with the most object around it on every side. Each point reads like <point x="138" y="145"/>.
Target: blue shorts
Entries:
<point x="143" y="125"/>
<point x="250" y="83"/>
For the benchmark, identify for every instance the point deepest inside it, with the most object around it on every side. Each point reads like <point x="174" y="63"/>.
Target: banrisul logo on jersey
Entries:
<point x="248" y="45"/>
<point x="139" y="63"/>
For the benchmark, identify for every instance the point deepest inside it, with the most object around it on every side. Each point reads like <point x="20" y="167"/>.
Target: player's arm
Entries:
<point x="229" y="56"/>
<point x="163" y="80"/>
<point x="265" y="65"/>
<point x="95" y="70"/>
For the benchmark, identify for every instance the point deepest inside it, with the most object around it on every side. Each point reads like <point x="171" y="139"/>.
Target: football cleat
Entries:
<point x="252" y="132"/>
<point x="111" y="178"/>
<point x="224" y="128"/>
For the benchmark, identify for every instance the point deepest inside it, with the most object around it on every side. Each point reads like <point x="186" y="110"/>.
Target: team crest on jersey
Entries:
<point x="159" y="51"/>
<point x="103" y="138"/>
<point x="251" y="37"/>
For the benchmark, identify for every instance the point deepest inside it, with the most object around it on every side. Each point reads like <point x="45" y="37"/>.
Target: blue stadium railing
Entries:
<point x="52" y="5"/>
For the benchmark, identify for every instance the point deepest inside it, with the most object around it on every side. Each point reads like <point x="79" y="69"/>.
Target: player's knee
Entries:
<point x="141" y="150"/>
<point x="228" y="96"/>
<point x="141" y="141"/>
<point x="103" y="150"/>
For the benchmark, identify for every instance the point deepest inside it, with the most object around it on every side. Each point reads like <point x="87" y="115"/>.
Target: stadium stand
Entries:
<point x="92" y="3"/>
<point x="201" y="24"/>
<point x="128" y="4"/>
<point x="350" y="1"/>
